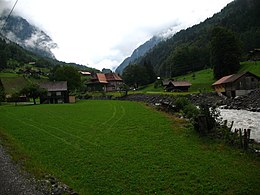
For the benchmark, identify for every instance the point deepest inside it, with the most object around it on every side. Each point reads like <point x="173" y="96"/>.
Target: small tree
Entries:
<point x="33" y="91"/>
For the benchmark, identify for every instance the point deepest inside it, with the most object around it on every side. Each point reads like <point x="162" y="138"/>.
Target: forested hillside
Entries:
<point x="13" y="56"/>
<point x="189" y="50"/>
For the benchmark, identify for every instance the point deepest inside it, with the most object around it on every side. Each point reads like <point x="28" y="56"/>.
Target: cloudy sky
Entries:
<point x="102" y="33"/>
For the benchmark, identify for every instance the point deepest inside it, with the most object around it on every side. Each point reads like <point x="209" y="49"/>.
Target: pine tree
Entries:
<point x="225" y="52"/>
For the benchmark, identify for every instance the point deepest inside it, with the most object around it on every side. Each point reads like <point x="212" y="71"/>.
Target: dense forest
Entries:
<point x="190" y="50"/>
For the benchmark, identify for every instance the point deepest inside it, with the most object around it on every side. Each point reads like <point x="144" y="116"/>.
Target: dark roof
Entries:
<point x="232" y="78"/>
<point x="166" y="82"/>
<point x="55" y="86"/>
<point x="181" y="83"/>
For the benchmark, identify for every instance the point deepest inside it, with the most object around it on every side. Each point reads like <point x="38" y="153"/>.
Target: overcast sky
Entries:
<point x="102" y="33"/>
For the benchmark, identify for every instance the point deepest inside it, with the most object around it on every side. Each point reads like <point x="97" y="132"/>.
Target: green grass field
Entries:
<point x="115" y="147"/>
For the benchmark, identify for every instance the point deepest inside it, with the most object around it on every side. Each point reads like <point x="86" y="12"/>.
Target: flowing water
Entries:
<point x="243" y="119"/>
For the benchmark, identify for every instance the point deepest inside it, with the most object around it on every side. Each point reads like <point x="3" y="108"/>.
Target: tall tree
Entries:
<point x="225" y="52"/>
<point x="150" y="71"/>
<point x="67" y="73"/>
<point x="135" y="75"/>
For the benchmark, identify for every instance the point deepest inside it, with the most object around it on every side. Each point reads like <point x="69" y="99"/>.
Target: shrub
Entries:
<point x="190" y="111"/>
<point x="181" y="102"/>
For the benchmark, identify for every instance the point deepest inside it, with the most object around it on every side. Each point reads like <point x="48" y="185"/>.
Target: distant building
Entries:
<point x="254" y="55"/>
<point x="175" y="86"/>
<point x="85" y="73"/>
<point x="105" y="82"/>
<point x="106" y="70"/>
<point x="57" y="92"/>
<point x="237" y="84"/>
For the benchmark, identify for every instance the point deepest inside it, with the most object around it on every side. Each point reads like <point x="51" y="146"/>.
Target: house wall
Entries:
<point x="242" y="86"/>
<point x="55" y="97"/>
<point x="114" y="85"/>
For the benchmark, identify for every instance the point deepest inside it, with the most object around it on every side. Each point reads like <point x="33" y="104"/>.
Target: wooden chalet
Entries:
<point x="57" y="92"/>
<point x="105" y="82"/>
<point x="237" y="84"/>
<point x="177" y="86"/>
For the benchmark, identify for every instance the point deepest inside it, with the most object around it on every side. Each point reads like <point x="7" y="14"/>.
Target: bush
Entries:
<point x="181" y="102"/>
<point x="190" y="111"/>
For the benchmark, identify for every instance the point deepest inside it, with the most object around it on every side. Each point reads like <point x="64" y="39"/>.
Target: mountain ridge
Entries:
<point x="20" y="31"/>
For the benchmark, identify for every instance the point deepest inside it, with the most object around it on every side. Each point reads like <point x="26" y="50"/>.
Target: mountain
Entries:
<point x="144" y="48"/>
<point x="139" y="52"/>
<point x="30" y="37"/>
<point x="189" y="50"/>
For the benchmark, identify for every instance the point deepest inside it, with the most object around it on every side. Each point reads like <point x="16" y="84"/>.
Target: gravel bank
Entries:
<point x="12" y="179"/>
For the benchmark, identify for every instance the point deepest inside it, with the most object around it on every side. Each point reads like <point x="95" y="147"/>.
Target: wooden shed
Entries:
<point x="237" y="84"/>
<point x="57" y="92"/>
<point x="181" y="86"/>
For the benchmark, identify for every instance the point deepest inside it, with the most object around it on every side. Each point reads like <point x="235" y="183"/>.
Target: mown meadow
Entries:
<point x="120" y="147"/>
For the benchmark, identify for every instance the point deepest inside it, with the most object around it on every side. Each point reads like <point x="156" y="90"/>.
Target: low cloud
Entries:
<point x="5" y="6"/>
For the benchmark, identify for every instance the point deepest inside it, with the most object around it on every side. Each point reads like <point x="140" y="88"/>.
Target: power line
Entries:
<point x="9" y="15"/>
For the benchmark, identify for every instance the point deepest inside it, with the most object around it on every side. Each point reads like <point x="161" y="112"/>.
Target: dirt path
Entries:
<point x="12" y="181"/>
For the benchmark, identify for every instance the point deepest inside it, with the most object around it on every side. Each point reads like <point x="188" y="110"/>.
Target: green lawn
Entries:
<point x="115" y="147"/>
<point x="253" y="67"/>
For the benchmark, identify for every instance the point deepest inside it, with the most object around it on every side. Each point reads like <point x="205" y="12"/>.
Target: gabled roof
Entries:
<point x="55" y="86"/>
<point x="222" y="80"/>
<point x="232" y="78"/>
<point x="181" y="83"/>
<point x="101" y="78"/>
<point x="166" y="82"/>
<point x="105" y="78"/>
<point x="113" y="77"/>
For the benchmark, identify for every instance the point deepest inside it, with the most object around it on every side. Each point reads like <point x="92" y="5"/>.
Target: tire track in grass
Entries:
<point x="116" y="121"/>
<point x="82" y="124"/>
<point x="51" y="134"/>
<point x="46" y="132"/>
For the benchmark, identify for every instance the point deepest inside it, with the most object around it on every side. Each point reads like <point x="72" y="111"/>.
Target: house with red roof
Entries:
<point x="237" y="84"/>
<point x="105" y="82"/>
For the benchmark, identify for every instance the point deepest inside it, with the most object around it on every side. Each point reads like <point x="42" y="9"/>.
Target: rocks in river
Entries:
<point x="249" y="102"/>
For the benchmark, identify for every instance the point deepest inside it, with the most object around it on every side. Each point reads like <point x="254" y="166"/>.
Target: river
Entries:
<point x="243" y="119"/>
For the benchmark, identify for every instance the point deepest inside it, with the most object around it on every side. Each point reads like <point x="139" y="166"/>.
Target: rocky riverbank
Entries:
<point x="250" y="102"/>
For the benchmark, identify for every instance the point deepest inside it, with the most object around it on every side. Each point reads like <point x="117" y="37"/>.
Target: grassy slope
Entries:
<point x="113" y="147"/>
<point x="253" y="67"/>
<point x="13" y="83"/>
<point x="204" y="78"/>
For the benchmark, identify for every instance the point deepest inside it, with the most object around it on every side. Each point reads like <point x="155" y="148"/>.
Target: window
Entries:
<point x="58" y="93"/>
